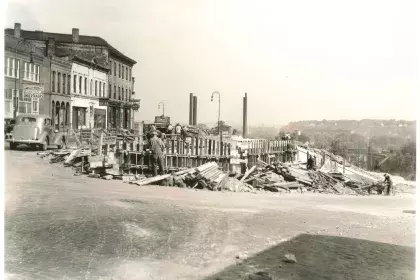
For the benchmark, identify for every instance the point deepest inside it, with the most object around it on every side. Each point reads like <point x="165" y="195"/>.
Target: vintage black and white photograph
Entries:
<point x="210" y="139"/>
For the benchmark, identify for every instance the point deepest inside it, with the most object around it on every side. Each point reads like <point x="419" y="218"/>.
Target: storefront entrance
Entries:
<point x="79" y="117"/>
<point x="99" y="118"/>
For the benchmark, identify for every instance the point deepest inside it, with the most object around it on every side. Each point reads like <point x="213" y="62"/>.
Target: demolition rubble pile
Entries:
<point x="281" y="177"/>
<point x="277" y="177"/>
<point x="207" y="176"/>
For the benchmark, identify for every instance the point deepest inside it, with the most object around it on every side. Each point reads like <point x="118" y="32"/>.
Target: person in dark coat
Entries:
<point x="310" y="163"/>
<point x="389" y="184"/>
<point x="158" y="154"/>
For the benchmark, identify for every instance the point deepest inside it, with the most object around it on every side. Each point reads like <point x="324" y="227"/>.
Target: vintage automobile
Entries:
<point x="36" y="131"/>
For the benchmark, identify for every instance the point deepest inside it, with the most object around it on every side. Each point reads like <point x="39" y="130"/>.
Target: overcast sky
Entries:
<point x="296" y="59"/>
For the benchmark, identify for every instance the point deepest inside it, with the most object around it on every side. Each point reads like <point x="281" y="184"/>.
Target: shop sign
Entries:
<point x="136" y="107"/>
<point x="109" y="140"/>
<point x="85" y="134"/>
<point x="33" y="92"/>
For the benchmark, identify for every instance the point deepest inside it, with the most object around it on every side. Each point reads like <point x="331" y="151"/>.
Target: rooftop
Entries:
<point x="68" y="38"/>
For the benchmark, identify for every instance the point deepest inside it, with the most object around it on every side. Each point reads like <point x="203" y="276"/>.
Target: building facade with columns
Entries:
<point x="120" y="82"/>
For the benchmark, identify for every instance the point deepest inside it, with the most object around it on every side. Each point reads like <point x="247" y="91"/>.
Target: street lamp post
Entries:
<point x="163" y="107"/>
<point x="218" y="115"/>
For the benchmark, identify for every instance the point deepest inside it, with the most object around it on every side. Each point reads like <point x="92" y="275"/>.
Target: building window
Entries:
<point x="26" y="70"/>
<point x="12" y="67"/>
<point x="122" y="74"/>
<point x="58" y="82"/>
<point x="110" y="67"/>
<point x="126" y="94"/>
<point x="64" y="83"/>
<point x="96" y="88"/>
<point x="119" y="93"/>
<point x="8" y="100"/>
<point x="25" y="103"/>
<point x="109" y="91"/>
<point x="115" y="92"/>
<point x="53" y="82"/>
<point x="129" y="95"/>
<point x="86" y="86"/>
<point x="119" y="70"/>
<point x="129" y="75"/>
<point x="74" y="83"/>
<point x="68" y="84"/>
<point x="35" y="106"/>
<point x="126" y="73"/>
<point x="103" y="89"/>
<point x="31" y="72"/>
<point x="115" y="69"/>
<point x="91" y="87"/>
<point x="80" y="84"/>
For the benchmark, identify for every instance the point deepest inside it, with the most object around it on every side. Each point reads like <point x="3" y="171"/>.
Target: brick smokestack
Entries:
<point x="190" y="122"/>
<point x="195" y="111"/>
<point x="245" y="117"/>
<point x="75" y="34"/>
<point x="17" y="30"/>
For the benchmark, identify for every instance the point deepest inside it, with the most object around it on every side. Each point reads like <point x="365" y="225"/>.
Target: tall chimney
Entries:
<point x="75" y="33"/>
<point x="245" y="117"/>
<point x="190" y="122"/>
<point x="17" y="30"/>
<point x="195" y="111"/>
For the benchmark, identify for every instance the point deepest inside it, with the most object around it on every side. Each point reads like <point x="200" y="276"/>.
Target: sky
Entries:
<point x="297" y="60"/>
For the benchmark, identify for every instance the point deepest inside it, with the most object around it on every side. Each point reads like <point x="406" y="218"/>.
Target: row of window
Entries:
<point x="122" y="94"/>
<point x="81" y="85"/>
<point x="12" y="69"/>
<point x="96" y="88"/>
<point x="60" y="83"/>
<point x="26" y="105"/>
<point x="124" y="72"/>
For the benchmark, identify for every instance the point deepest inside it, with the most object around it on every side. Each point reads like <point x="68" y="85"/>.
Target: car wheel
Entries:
<point x="13" y="146"/>
<point x="44" y="145"/>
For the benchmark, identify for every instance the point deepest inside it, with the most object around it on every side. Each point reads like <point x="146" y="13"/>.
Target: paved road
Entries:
<point x="61" y="226"/>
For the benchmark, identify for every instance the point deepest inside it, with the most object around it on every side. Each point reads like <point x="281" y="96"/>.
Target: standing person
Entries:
<point x="169" y="130"/>
<point x="389" y="184"/>
<point x="158" y="154"/>
<point x="178" y="129"/>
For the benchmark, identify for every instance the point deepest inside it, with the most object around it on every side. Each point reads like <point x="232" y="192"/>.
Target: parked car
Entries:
<point x="36" y="131"/>
<point x="9" y="123"/>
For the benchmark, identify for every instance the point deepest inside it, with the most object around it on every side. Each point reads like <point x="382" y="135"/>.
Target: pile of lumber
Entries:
<point x="68" y="156"/>
<point x="207" y="176"/>
<point x="281" y="177"/>
<point x="268" y="180"/>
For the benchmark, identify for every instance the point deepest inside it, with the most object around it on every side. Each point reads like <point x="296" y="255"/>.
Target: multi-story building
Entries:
<point x="89" y="82"/>
<point x="120" y="83"/>
<point x="23" y="66"/>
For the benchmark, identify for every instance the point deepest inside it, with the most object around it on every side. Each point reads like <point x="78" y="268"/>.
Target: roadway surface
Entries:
<point x="61" y="226"/>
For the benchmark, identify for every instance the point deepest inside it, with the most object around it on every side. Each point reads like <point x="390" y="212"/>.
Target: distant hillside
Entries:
<point x="367" y="128"/>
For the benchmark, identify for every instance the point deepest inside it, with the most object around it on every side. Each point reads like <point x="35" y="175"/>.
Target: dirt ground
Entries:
<point x="61" y="226"/>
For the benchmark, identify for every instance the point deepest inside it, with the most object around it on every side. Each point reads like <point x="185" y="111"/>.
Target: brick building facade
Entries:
<point x="58" y="50"/>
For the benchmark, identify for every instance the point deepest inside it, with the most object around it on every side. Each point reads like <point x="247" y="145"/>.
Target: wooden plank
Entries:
<point x="248" y="172"/>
